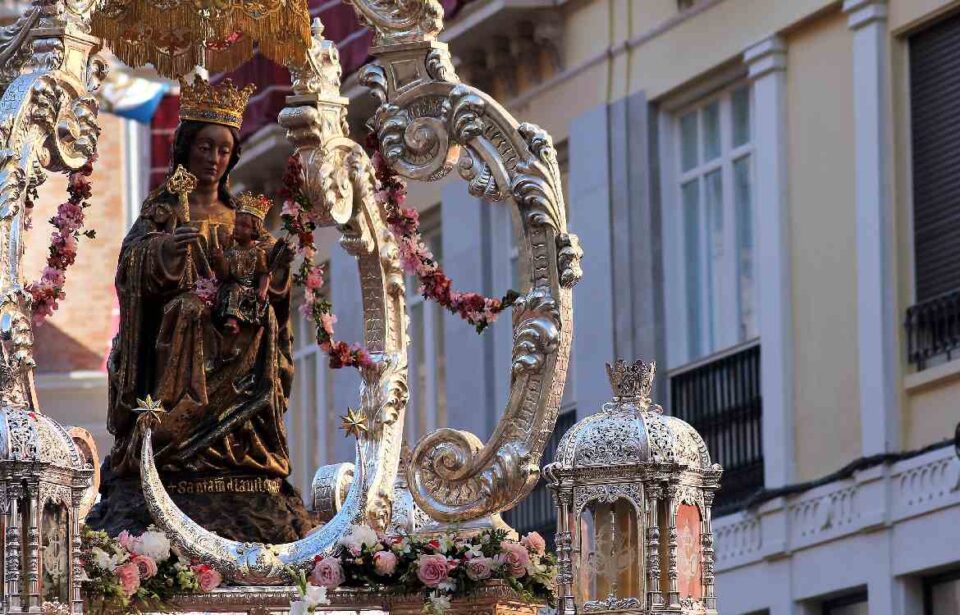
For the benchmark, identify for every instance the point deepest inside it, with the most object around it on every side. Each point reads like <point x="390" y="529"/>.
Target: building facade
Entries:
<point x="764" y="190"/>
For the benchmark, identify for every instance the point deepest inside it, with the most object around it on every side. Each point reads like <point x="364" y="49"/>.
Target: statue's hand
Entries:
<point x="180" y="241"/>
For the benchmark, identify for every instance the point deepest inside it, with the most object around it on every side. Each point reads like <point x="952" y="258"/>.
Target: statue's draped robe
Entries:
<point x="169" y="347"/>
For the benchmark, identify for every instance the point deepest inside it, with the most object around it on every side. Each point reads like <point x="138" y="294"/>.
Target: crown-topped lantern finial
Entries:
<point x="632" y="381"/>
<point x="221" y="104"/>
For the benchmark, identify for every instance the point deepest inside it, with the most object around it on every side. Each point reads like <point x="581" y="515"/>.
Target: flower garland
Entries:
<point x="68" y="222"/>
<point x="444" y="568"/>
<point x="417" y="259"/>
<point x="127" y="569"/>
<point x="299" y="221"/>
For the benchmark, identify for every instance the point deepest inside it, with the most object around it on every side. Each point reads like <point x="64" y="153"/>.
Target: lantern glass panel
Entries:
<point x="55" y="537"/>
<point x="609" y="552"/>
<point x="689" y="552"/>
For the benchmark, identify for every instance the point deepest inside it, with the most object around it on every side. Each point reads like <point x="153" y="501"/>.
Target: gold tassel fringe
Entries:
<point x="175" y="35"/>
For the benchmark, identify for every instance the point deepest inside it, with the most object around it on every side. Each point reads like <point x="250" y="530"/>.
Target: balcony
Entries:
<point x="720" y="397"/>
<point x="537" y="512"/>
<point x="933" y="329"/>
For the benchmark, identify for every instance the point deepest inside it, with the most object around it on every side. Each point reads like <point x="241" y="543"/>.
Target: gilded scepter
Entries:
<point x="182" y="183"/>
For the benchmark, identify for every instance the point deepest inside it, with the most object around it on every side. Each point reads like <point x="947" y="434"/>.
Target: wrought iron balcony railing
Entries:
<point x="538" y="512"/>
<point x="720" y="397"/>
<point x="933" y="329"/>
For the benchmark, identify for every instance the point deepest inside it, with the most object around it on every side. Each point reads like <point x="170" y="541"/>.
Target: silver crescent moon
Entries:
<point x="252" y="563"/>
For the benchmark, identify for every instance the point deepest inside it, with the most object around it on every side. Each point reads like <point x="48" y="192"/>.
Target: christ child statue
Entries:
<point x="243" y="268"/>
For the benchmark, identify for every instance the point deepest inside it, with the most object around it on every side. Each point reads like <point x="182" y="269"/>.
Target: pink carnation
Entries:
<point x="432" y="570"/>
<point x="146" y="565"/>
<point x="535" y="542"/>
<point x="327" y="573"/>
<point x="128" y="576"/>
<point x="514" y="558"/>
<point x="385" y="563"/>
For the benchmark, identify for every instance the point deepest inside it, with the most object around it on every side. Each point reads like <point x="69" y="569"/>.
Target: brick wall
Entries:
<point x="77" y="337"/>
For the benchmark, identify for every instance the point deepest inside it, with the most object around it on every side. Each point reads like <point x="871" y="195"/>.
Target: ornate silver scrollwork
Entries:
<point x="425" y="122"/>
<point x="48" y="122"/>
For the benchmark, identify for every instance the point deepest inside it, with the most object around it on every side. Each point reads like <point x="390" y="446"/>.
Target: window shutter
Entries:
<point x="935" y="126"/>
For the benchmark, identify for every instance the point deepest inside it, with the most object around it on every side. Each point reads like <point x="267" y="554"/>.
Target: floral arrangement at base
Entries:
<point x="128" y="570"/>
<point x="443" y="569"/>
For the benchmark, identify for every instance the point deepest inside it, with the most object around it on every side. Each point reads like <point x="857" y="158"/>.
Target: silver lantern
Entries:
<point x="634" y="488"/>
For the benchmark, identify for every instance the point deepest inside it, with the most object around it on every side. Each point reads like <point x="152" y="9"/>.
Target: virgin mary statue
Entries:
<point x="222" y="447"/>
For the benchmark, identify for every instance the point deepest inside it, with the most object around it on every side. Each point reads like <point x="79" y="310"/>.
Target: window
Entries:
<point x="427" y="407"/>
<point x="933" y="324"/>
<point x="311" y="418"/>
<point x="848" y="605"/>
<point x="712" y="216"/>
<point x="941" y="594"/>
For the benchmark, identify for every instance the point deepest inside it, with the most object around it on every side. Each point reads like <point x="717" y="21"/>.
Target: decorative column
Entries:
<point x="76" y="566"/>
<point x="564" y="540"/>
<point x="673" y="598"/>
<point x="33" y="546"/>
<point x="707" y="552"/>
<point x="766" y="62"/>
<point x="12" y="557"/>
<point x="876" y="294"/>
<point x="654" y="597"/>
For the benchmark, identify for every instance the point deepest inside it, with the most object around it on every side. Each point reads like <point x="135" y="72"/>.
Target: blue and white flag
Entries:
<point x="131" y="97"/>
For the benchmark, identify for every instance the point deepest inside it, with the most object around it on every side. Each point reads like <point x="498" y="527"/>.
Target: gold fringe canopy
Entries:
<point x="177" y="35"/>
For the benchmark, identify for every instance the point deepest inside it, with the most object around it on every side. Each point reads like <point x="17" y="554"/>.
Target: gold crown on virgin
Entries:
<point x="632" y="381"/>
<point x="220" y="104"/>
<point x="255" y="205"/>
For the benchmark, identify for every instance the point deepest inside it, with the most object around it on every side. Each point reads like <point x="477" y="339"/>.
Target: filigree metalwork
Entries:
<point x="401" y="21"/>
<point x="429" y="123"/>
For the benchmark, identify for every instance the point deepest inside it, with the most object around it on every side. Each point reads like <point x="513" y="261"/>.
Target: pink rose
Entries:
<point x="128" y="576"/>
<point x="145" y="565"/>
<point x="385" y="563"/>
<point x="207" y="578"/>
<point x="479" y="568"/>
<point x="535" y="542"/>
<point x="514" y="558"/>
<point x="432" y="569"/>
<point x="327" y="573"/>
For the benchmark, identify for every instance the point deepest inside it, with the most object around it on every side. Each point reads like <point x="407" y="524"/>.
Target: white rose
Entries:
<point x="154" y="545"/>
